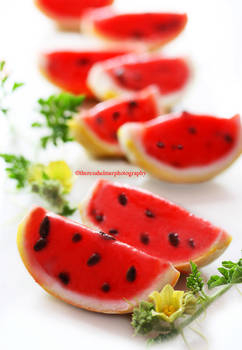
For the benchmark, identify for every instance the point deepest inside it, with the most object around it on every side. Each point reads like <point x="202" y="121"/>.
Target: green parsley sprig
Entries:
<point x="49" y="188"/>
<point x="146" y="320"/>
<point x="7" y="87"/>
<point x="57" y="111"/>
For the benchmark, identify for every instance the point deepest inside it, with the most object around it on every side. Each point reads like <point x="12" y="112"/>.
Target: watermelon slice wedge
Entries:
<point x="151" y="29"/>
<point x="96" y="128"/>
<point x="183" y="147"/>
<point x="69" y="69"/>
<point x="153" y="225"/>
<point x="87" y="268"/>
<point x="68" y="13"/>
<point x="134" y="72"/>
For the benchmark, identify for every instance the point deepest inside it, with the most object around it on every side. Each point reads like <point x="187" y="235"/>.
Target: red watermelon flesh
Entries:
<point x="69" y="9"/>
<point x="135" y="72"/>
<point x="105" y="118"/>
<point x="190" y="140"/>
<point x="69" y="69"/>
<point x="149" y="28"/>
<point x="152" y="224"/>
<point x="87" y="268"/>
<point x="168" y="74"/>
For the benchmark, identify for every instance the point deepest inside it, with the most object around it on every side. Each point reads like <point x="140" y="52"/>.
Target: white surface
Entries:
<point x="29" y="318"/>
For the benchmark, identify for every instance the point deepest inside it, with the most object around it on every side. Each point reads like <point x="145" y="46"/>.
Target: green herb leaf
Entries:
<point x="194" y="280"/>
<point x="18" y="170"/>
<point x="57" y="110"/>
<point x="67" y="210"/>
<point x="16" y="86"/>
<point x="231" y="273"/>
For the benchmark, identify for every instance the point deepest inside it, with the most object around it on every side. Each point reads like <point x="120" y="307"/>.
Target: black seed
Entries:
<point x="77" y="237"/>
<point x="144" y="237"/>
<point x="99" y="217"/>
<point x="149" y="213"/>
<point x="113" y="231"/>
<point x="105" y="287"/>
<point x="191" y="243"/>
<point x="160" y="144"/>
<point x="64" y="277"/>
<point x="137" y="35"/>
<point x="131" y="274"/>
<point x="94" y="259"/>
<point x="44" y="227"/>
<point x="83" y="61"/>
<point x="106" y="236"/>
<point x="116" y="115"/>
<point x="228" y="138"/>
<point x="174" y="239"/>
<point x="99" y="120"/>
<point x="176" y="164"/>
<point x="192" y="130"/>
<point x="177" y="147"/>
<point x="122" y="199"/>
<point x="40" y="244"/>
<point x="132" y="105"/>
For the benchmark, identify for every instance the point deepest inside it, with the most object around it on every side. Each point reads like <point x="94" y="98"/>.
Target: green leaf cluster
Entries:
<point x="194" y="280"/>
<point x="18" y="169"/>
<point x="230" y="273"/>
<point x="57" y="110"/>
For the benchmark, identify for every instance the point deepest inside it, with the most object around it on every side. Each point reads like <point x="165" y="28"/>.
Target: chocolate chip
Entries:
<point x="192" y="130"/>
<point x="149" y="213"/>
<point x="40" y="244"/>
<point x="113" y="231"/>
<point x="131" y="274"/>
<point x="77" y="237"/>
<point x="144" y="237"/>
<point x="94" y="259"/>
<point x="83" y="61"/>
<point x="191" y="243"/>
<point x="116" y="115"/>
<point x="44" y="227"/>
<point x="64" y="277"/>
<point x="122" y="199"/>
<point x="105" y="287"/>
<point x="106" y="236"/>
<point x="228" y="138"/>
<point x="99" y="217"/>
<point x="160" y="144"/>
<point x="174" y="239"/>
<point x="99" y="120"/>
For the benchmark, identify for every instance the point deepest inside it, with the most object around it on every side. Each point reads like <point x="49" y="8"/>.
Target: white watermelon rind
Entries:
<point x="53" y="287"/>
<point x="88" y="27"/>
<point x="98" y="147"/>
<point x="129" y="136"/>
<point x="104" y="87"/>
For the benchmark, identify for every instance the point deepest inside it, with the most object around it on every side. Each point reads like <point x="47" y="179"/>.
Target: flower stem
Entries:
<point x="203" y="307"/>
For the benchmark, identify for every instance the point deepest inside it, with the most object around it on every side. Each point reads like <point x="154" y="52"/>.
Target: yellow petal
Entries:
<point x="60" y="171"/>
<point x="177" y="299"/>
<point x="35" y="173"/>
<point x="156" y="298"/>
<point x="166" y="296"/>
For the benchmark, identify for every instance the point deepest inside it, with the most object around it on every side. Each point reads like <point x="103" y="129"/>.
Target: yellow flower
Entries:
<point x="61" y="172"/>
<point x="168" y="303"/>
<point x="35" y="173"/>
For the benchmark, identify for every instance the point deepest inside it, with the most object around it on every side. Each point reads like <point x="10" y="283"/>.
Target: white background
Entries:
<point x="29" y="318"/>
